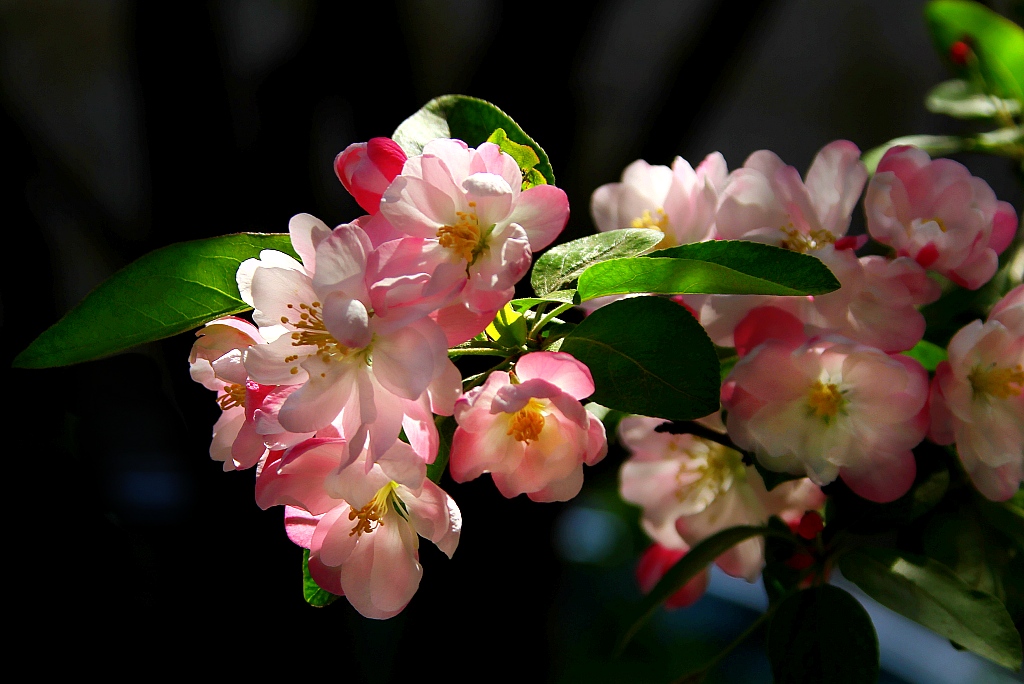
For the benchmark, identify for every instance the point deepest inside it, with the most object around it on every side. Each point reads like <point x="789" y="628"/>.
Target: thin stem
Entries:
<point x="476" y="351"/>
<point x="474" y="380"/>
<point x="547" y="317"/>
<point x="753" y="627"/>
<point x="689" y="427"/>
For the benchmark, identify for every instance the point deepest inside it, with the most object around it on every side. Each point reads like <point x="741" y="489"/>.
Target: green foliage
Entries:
<point x="928" y="354"/>
<point x="931" y="594"/>
<point x="715" y="267"/>
<point x="561" y="265"/>
<point x="524" y="155"/>
<point x="997" y="42"/>
<point x="469" y="119"/>
<point x="169" y="291"/>
<point x="648" y="356"/>
<point x="698" y="558"/>
<point x="556" y="297"/>
<point x="822" y="634"/>
<point x="311" y="591"/>
<point x="966" y="100"/>
<point x="934" y="145"/>
<point x="446" y="431"/>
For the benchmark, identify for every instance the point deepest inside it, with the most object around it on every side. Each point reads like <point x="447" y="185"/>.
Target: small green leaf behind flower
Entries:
<point x="524" y="155"/>
<point x="470" y="120"/>
<point x="311" y="591"/>
<point x="561" y="265"/>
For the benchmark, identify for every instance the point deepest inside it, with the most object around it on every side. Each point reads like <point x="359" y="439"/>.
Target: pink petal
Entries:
<point x="560" y="369"/>
<point x="542" y="211"/>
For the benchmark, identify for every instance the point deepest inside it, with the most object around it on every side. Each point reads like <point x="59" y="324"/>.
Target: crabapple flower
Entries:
<point x="690" y="488"/>
<point x="216" y="363"/>
<point x="366" y="361"/>
<point x="655" y="562"/>
<point x="766" y="201"/>
<point x="680" y="202"/>
<point x="828" y="408"/>
<point x="937" y="213"/>
<point x="367" y="169"/>
<point x="528" y="429"/>
<point x="366" y="522"/>
<point x="977" y="398"/>
<point x="471" y="203"/>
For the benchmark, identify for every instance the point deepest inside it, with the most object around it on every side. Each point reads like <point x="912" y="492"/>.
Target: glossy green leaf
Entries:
<point x="934" y="145"/>
<point x="698" y="558"/>
<point x="469" y="119"/>
<point x="931" y="594"/>
<point x="556" y="297"/>
<point x="562" y="265"/>
<point x="964" y="100"/>
<point x="716" y="267"/>
<point x="169" y="291"/>
<point x="446" y="431"/>
<point x="928" y="354"/>
<point x="311" y="591"/>
<point x="997" y="42"/>
<point x="822" y="634"/>
<point x="648" y="356"/>
<point x="975" y="552"/>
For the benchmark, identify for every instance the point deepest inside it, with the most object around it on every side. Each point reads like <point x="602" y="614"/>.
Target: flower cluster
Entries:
<point x="820" y="389"/>
<point x="333" y="393"/>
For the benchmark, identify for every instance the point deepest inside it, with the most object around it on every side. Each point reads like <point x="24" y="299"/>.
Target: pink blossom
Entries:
<point x="470" y="202"/>
<point x="216" y="363"/>
<point x="977" y="398"/>
<point x="362" y="526"/>
<point x="830" y="407"/>
<point x="367" y="169"/>
<point x="690" y="488"/>
<point x="680" y="202"/>
<point x="655" y="562"/>
<point x="766" y="201"/>
<point x="365" y="354"/>
<point x="528" y="429"/>
<point x="937" y="213"/>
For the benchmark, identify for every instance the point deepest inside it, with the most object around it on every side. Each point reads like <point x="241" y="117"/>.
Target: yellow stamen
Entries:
<point x="463" y="238"/>
<point x="938" y="221"/>
<point x="526" y="424"/>
<point x="825" y="401"/>
<point x="657" y="221"/>
<point x="998" y="382"/>
<point x="372" y="514"/>
<point x="312" y="331"/>
<point x="798" y="242"/>
<point x="717" y="467"/>
<point x="234" y="395"/>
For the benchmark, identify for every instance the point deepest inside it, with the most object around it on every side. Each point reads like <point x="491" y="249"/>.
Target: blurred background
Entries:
<point x="130" y="125"/>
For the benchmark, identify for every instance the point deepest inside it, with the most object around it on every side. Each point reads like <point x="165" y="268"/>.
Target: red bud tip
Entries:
<point x="958" y="52"/>
<point x="810" y="525"/>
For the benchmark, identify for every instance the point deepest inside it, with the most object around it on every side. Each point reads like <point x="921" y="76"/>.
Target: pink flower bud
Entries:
<point x="367" y="169"/>
<point x="655" y="562"/>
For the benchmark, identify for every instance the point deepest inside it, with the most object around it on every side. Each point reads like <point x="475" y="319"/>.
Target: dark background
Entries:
<point x="128" y="126"/>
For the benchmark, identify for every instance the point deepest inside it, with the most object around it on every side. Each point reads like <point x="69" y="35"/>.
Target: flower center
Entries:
<point x="657" y="221"/>
<point x="998" y="382"/>
<point x="310" y="330"/>
<point x="798" y="242"/>
<point x="372" y="514"/>
<point x="234" y="395"/>
<point x="825" y="401"/>
<point x="938" y="222"/>
<point x="463" y="238"/>
<point x="526" y="423"/>
<point x="716" y="468"/>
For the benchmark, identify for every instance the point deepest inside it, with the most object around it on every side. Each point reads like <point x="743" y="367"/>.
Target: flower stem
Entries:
<point x="698" y="675"/>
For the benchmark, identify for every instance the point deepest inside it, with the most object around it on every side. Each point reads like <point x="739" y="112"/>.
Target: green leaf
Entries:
<point x="929" y="593"/>
<point x="934" y="145"/>
<point x="311" y="591"/>
<point x="804" y="642"/>
<point x="524" y="155"/>
<point x="928" y="354"/>
<point x="976" y="553"/>
<point x="446" y="431"/>
<point x="717" y="267"/>
<point x="964" y="100"/>
<point x="562" y="265"/>
<point x="169" y="291"/>
<point x="469" y="119"/>
<point x="697" y="559"/>
<point x="556" y="297"/>
<point x="997" y="42"/>
<point x="648" y="356"/>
